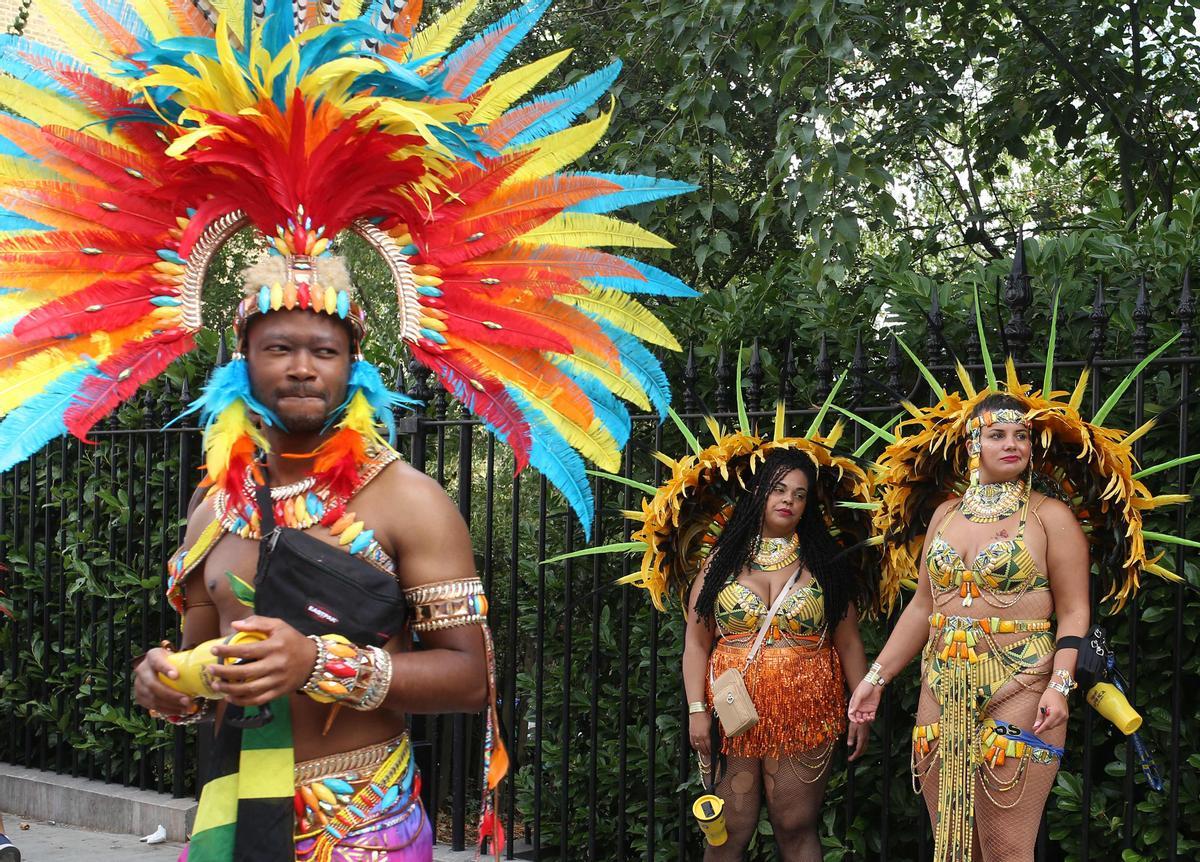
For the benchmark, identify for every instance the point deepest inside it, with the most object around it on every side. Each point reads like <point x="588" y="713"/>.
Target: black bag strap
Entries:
<point x="266" y="510"/>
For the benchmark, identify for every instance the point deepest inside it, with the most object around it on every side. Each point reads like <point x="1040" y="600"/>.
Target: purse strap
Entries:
<point x="266" y="510"/>
<point x="776" y="605"/>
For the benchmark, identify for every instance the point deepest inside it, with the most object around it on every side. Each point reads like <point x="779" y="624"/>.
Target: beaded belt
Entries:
<point x="987" y="625"/>
<point x="362" y="760"/>
<point x="961" y="634"/>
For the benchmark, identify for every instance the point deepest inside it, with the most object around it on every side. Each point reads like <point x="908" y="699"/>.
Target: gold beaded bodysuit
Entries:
<point x="966" y="664"/>
<point x="795" y="680"/>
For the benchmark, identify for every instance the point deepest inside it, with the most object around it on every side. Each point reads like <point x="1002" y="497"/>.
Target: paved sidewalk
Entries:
<point x="42" y="842"/>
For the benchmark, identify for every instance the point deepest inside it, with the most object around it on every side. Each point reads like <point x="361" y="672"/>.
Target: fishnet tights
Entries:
<point x="794" y="788"/>
<point x="1006" y="821"/>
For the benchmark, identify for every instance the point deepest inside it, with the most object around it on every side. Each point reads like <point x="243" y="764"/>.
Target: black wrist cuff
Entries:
<point x="1068" y="642"/>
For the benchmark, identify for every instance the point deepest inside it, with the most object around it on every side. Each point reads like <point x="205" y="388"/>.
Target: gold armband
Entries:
<point x="447" y="605"/>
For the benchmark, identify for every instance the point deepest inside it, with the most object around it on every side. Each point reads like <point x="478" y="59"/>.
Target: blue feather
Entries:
<point x="364" y="378"/>
<point x="19" y="68"/>
<point x="227" y="384"/>
<point x="657" y="282"/>
<point x="611" y="412"/>
<point x="13" y="221"/>
<point x="641" y="364"/>
<point x="554" y="458"/>
<point x="578" y="97"/>
<point x="521" y="20"/>
<point x="40" y="419"/>
<point x="637" y="190"/>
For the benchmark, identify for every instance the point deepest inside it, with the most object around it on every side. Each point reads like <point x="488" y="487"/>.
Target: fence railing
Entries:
<point x="591" y="700"/>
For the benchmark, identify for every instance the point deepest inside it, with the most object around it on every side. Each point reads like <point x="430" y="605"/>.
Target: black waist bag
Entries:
<point x="320" y="589"/>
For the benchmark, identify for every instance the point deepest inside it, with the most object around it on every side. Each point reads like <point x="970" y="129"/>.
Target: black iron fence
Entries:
<point x="588" y="673"/>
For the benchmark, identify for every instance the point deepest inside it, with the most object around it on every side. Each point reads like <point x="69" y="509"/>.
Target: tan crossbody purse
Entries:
<point x="731" y="699"/>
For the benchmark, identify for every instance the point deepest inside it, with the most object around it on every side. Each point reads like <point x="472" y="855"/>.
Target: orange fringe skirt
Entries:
<point x="799" y="693"/>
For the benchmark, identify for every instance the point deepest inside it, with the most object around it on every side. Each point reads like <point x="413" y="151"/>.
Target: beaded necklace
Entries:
<point x="776" y="554"/>
<point x="302" y="505"/>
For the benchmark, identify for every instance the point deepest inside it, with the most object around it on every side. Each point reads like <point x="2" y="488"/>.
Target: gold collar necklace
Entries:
<point x="775" y="554"/>
<point x="995" y="501"/>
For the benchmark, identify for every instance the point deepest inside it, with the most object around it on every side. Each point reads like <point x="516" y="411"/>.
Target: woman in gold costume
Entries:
<point x="997" y="563"/>
<point x="776" y="539"/>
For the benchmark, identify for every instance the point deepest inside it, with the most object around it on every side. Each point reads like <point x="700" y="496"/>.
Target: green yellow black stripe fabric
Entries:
<point x="245" y="812"/>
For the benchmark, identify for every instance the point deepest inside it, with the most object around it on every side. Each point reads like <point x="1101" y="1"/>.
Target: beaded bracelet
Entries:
<point x="1064" y="683"/>
<point x="202" y="711"/>
<point x="345" y="673"/>
<point x="874" y="676"/>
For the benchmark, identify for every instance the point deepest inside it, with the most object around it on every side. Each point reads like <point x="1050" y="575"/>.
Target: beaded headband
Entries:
<point x="975" y="426"/>
<point x="300" y="281"/>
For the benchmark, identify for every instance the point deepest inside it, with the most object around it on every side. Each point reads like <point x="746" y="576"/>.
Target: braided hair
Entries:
<point x="841" y="583"/>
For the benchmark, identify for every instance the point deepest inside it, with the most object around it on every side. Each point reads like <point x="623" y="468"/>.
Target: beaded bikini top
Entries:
<point x="1002" y="568"/>
<point x="300" y="506"/>
<point x="740" y="610"/>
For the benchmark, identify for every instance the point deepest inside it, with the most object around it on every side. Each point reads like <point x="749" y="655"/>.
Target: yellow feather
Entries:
<point x="157" y="17"/>
<point x="234" y="12"/>
<point x="588" y="230"/>
<point x="561" y="148"/>
<point x="29" y="377"/>
<point x="624" y="312"/>
<point x="506" y="89"/>
<point x="605" y="373"/>
<point x="713" y="428"/>
<point x="780" y="420"/>
<point x="594" y="443"/>
<point x="1140" y="431"/>
<point x="360" y="416"/>
<point x="437" y="37"/>
<point x="50" y="109"/>
<point x="14" y="168"/>
<point x="1080" y="388"/>
<point x="232" y="424"/>
<point x="1013" y="381"/>
<point x="81" y="41"/>
<point x="351" y="9"/>
<point x="965" y="380"/>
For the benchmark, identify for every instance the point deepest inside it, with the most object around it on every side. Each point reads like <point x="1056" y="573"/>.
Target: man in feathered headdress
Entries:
<point x="299" y="370"/>
<point x="127" y="159"/>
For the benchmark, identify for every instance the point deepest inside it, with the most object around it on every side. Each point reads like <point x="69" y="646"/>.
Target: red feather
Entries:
<point x="511" y="327"/>
<point x="102" y="392"/>
<point x="123" y="301"/>
<point x="549" y="262"/>
<point x="63" y="251"/>
<point x="108" y="162"/>
<point x="507" y="127"/>
<point x="458" y="74"/>
<point x="338" y="461"/>
<point x="122" y="41"/>
<point x="492" y="403"/>
<point x="95" y="94"/>
<point x="77" y="207"/>
<point x="557" y="193"/>
<point x="470" y="183"/>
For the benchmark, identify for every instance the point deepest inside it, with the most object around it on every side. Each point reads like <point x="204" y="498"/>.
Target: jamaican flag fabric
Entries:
<point x="245" y="812"/>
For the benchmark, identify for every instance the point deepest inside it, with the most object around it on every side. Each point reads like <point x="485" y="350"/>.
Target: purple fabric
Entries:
<point x="404" y="836"/>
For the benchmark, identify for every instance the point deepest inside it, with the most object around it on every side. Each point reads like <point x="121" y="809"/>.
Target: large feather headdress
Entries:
<point x="1082" y="461"/>
<point x="165" y="126"/>
<point x="681" y="520"/>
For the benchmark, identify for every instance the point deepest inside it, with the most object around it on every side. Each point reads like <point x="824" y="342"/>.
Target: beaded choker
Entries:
<point x="995" y="501"/>
<point x="776" y="554"/>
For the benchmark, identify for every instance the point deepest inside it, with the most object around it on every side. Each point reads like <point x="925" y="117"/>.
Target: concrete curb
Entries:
<point x="32" y="794"/>
<point x="38" y="795"/>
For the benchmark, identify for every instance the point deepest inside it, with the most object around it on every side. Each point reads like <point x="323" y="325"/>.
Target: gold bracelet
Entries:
<point x="874" y="676"/>
<point x="696" y="706"/>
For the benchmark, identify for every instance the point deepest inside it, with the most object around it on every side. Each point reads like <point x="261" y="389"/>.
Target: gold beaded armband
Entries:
<point x="345" y="673"/>
<point x="447" y="605"/>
